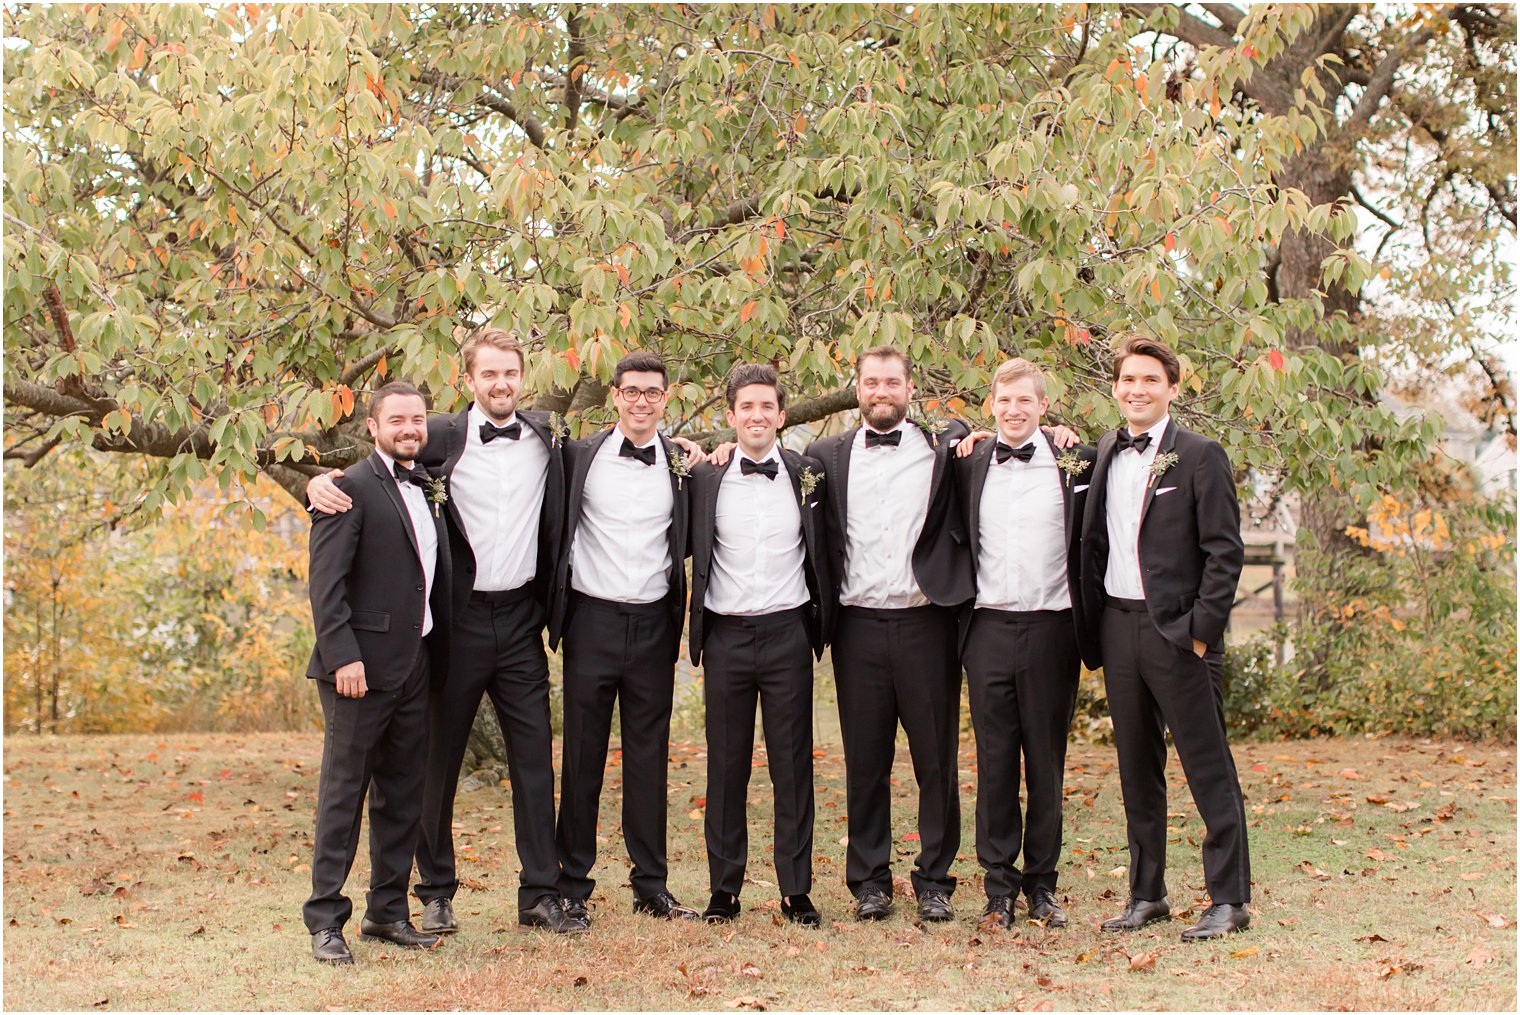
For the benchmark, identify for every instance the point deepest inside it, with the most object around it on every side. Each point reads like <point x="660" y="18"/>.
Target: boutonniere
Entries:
<point x="933" y="427"/>
<point x="437" y="492"/>
<point x="558" y="429"/>
<point x="809" y="481"/>
<point x="679" y="467"/>
<point x="1071" y="464"/>
<point x="1163" y="461"/>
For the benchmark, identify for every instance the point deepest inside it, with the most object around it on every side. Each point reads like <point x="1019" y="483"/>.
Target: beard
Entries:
<point x="885" y="415"/>
<point x="388" y="445"/>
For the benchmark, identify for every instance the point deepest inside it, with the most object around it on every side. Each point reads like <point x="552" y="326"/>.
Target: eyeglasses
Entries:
<point x="650" y="395"/>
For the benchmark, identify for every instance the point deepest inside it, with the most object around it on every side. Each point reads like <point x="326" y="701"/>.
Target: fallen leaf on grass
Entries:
<point x="1480" y="956"/>
<point x="579" y="981"/>
<point x="1388" y="971"/>
<point x="96" y="887"/>
<point x="1287" y="921"/>
<point x="1244" y="953"/>
<point x="750" y="969"/>
<point x="1372" y="937"/>
<point x="197" y="932"/>
<point x="1472" y="875"/>
<point x="1044" y="1005"/>
<point x="747" y="1002"/>
<point x="1498" y="920"/>
<point x="1142" y="962"/>
<point x="1308" y="868"/>
<point x="1377" y="800"/>
<point x="101" y="1003"/>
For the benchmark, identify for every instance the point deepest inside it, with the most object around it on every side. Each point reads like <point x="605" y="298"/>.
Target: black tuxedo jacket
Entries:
<point x="447" y="437"/>
<point x="1191" y="552"/>
<point x="971" y="478"/>
<point x="367" y="584"/>
<point x="941" y="558"/>
<point x="705" y="480"/>
<point x="578" y="457"/>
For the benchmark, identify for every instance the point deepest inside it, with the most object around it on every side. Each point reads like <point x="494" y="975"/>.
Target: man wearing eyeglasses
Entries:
<point x="620" y="593"/>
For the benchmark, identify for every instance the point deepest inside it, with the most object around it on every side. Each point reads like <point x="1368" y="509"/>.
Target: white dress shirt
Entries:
<point x="621" y="550"/>
<point x="1021" y="545"/>
<point x="886" y="504"/>
<point x="1128" y="474"/>
<point x="498" y="492"/>
<point x="421" y="513"/>
<point x="758" y="556"/>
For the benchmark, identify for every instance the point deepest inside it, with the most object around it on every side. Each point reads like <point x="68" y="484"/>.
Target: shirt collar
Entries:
<point x="1156" y="429"/>
<point x="390" y="463"/>
<point x="618" y="430"/>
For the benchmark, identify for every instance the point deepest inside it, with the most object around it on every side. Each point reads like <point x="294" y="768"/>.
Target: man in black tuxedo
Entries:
<point x="1161" y="556"/>
<point x="759" y="595"/>
<point x="1022" y="498"/>
<point x="901" y="570"/>
<point x="505" y="510"/>
<point x="620" y="592"/>
<point x="380" y="600"/>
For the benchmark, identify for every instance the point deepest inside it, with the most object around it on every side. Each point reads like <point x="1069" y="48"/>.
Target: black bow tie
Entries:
<point x="1127" y="441"/>
<point x="645" y="454"/>
<point x="766" y="468"/>
<point x="417" y="476"/>
<point x="893" y="439"/>
<point x="1023" y="454"/>
<point x="490" y="431"/>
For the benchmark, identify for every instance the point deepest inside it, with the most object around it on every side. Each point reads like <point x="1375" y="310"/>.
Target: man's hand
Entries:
<point x="350" y="679"/>
<point x="323" y="494"/>
<point x="970" y="441"/>
<point x="720" y="455"/>
<point x="1199" y="648"/>
<point x="691" y="448"/>
<point x="1062" y="437"/>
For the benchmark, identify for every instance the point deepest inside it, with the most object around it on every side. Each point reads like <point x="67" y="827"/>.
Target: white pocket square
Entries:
<point x="1079" y="489"/>
<point x="1165" y="489"/>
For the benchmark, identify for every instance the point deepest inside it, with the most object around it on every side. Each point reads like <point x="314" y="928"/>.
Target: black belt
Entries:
<point x="582" y="601"/>
<point x="501" y="597"/>
<point x="1127" y="605"/>
<point x="876" y="613"/>
<point x="775" y="619"/>
<point x="1025" y="616"/>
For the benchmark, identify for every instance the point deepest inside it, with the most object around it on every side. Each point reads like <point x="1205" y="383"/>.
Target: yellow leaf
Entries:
<point x="1156" y="289"/>
<point x="232" y="215"/>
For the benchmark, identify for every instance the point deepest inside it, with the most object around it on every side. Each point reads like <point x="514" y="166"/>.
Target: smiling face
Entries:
<point x="401" y="427"/>
<point x="1017" y="408"/>
<point x="1143" y="391"/>
<point x="755" y="417"/>
<point x="494" y="381"/>
<point x="640" y="413"/>
<point x="883" y="390"/>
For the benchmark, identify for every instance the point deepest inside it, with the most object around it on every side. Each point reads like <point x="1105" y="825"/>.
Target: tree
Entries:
<point x="225" y="223"/>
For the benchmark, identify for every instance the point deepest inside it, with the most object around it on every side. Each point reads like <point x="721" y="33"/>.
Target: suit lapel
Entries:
<point x="1168" y="441"/>
<point x="1097" y="492"/>
<point x="840" y="467"/>
<point x="458" y="437"/>
<point x="1064" y="478"/>
<point x="981" y="461"/>
<point x="393" y="491"/>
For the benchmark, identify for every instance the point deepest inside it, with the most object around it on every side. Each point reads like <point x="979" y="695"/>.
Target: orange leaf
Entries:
<point x="382" y="366"/>
<point x="390" y="209"/>
<point x="1170" y="243"/>
<point x="799" y="125"/>
<point x="623" y="275"/>
<point x="232" y="215"/>
<point x="796" y="64"/>
<point x="746" y="312"/>
<point x="139" y="55"/>
<point x="1156" y="289"/>
<point x="573" y="358"/>
<point x="346" y="398"/>
<point x="780" y="229"/>
<point x="1276" y="359"/>
<point x="114" y="36"/>
<point x="624" y="314"/>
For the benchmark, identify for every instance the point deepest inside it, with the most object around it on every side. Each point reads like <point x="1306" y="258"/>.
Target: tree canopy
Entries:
<point x="224" y="223"/>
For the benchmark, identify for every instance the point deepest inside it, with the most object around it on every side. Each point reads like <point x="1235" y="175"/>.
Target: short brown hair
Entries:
<point x="886" y="352"/>
<point x="639" y="363"/>
<point x="1015" y="369"/>
<point x="745" y="374"/>
<point x="386" y="391"/>
<point x="1139" y="345"/>
<point x="496" y="338"/>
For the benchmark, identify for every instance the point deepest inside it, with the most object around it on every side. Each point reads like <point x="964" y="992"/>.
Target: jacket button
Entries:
<point x="419" y="588"/>
<point x="416" y="627"/>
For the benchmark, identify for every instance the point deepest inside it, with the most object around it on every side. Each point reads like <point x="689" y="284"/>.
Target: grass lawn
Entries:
<point x="168" y="872"/>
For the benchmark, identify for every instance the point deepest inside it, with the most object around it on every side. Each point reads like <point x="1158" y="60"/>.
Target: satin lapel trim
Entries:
<point x="981" y="461"/>
<point x="840" y="493"/>
<point x="1097" y="493"/>
<point x="459" y="438"/>
<point x="1064" y="478"/>
<point x="388" y="484"/>
<point x="1168" y="441"/>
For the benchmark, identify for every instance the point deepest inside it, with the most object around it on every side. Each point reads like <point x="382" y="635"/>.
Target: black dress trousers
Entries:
<point x="374" y="744"/>
<point x="623" y="654"/>
<point x="1154" y="686"/>
<point x="745" y="659"/>
<point x="497" y="652"/>
<point x="1021" y="672"/>
<point x="894" y="666"/>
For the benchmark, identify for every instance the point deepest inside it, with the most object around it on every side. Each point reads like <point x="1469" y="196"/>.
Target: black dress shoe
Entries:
<point x="799" y="909"/>
<point x="1043" y="908"/>
<point x="665" y="906"/>
<point x="934" y="907"/>
<point x="873" y="904"/>
<point x="721" y="908"/>
<point x="549" y="913"/>
<point x="399" y="933"/>
<point x="575" y="910"/>
<point x="999" y="912"/>
<point x="438" y="917"/>
<point x="1218" y="920"/>
<point x="1137" y="913"/>
<point x="327" y="945"/>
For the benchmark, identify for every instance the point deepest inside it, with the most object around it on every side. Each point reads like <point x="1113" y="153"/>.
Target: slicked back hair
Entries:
<point x="1140" y="345"/>
<point x="496" y="338"/>
<point x="745" y="374"/>
<point x="386" y="391"/>
<point x="639" y="362"/>
<point x="886" y="352"/>
<point x="1015" y="369"/>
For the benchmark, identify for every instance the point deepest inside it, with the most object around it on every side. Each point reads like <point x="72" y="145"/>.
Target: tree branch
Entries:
<point x="1380" y="83"/>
